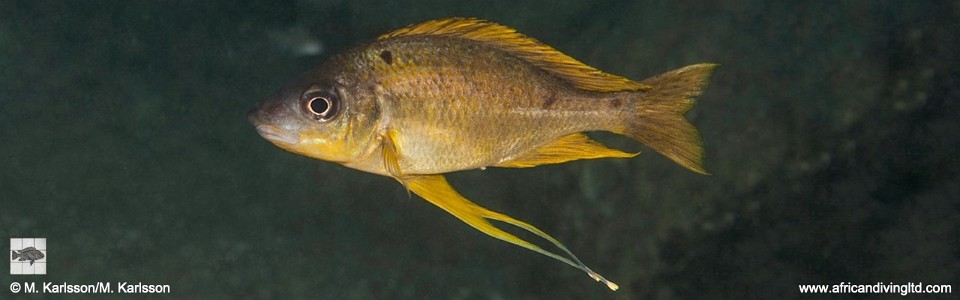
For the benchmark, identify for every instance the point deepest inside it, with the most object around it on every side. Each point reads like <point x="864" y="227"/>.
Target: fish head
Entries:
<point x="320" y="115"/>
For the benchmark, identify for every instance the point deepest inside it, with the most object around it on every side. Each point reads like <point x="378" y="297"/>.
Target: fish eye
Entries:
<point x="321" y="105"/>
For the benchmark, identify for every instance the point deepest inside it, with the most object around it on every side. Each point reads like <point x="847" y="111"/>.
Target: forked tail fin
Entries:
<point x="658" y="121"/>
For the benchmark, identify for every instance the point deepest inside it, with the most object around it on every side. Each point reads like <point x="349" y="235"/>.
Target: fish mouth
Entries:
<point x="277" y="135"/>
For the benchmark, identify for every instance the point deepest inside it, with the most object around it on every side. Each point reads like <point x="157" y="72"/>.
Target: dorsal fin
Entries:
<point x="508" y="39"/>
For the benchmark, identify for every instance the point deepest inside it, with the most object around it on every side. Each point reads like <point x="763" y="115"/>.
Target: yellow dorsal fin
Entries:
<point x="436" y="190"/>
<point x="563" y="149"/>
<point x="508" y="39"/>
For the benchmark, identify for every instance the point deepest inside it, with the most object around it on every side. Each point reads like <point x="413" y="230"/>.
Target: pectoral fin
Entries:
<point x="436" y="190"/>
<point x="563" y="149"/>
<point x="390" y="154"/>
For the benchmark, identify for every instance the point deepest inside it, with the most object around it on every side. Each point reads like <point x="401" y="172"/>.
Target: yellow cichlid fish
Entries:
<point x="461" y="93"/>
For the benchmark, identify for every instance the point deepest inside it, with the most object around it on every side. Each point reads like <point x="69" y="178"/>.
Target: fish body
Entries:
<point x="476" y="113"/>
<point x="457" y="94"/>
<point x="29" y="253"/>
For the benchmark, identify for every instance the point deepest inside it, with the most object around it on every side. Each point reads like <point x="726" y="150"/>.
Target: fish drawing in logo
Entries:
<point x="28" y="253"/>
<point x="460" y="94"/>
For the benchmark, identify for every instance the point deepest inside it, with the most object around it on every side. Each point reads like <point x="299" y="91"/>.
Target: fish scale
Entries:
<point x="460" y="88"/>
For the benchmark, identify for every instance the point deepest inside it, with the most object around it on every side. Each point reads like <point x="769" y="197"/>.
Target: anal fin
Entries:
<point x="563" y="149"/>
<point x="436" y="190"/>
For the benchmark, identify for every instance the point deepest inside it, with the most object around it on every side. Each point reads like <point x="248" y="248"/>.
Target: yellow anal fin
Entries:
<point x="509" y="40"/>
<point x="563" y="149"/>
<point x="436" y="190"/>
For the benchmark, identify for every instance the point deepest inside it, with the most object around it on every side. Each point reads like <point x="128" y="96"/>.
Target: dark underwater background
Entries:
<point x="831" y="132"/>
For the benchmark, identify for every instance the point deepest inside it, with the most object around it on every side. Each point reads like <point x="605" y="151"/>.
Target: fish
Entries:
<point x="458" y="94"/>
<point x="28" y="253"/>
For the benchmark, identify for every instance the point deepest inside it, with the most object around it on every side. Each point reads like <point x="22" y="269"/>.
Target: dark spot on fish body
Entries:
<point x="551" y="99"/>
<point x="616" y="103"/>
<point x="386" y="56"/>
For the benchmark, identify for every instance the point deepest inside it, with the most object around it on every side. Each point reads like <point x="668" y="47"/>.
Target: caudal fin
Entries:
<point x="13" y="255"/>
<point x="658" y="121"/>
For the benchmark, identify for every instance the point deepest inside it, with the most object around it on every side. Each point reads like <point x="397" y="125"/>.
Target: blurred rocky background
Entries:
<point x="831" y="131"/>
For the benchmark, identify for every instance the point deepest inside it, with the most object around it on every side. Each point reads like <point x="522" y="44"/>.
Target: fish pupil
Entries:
<point x="321" y="105"/>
